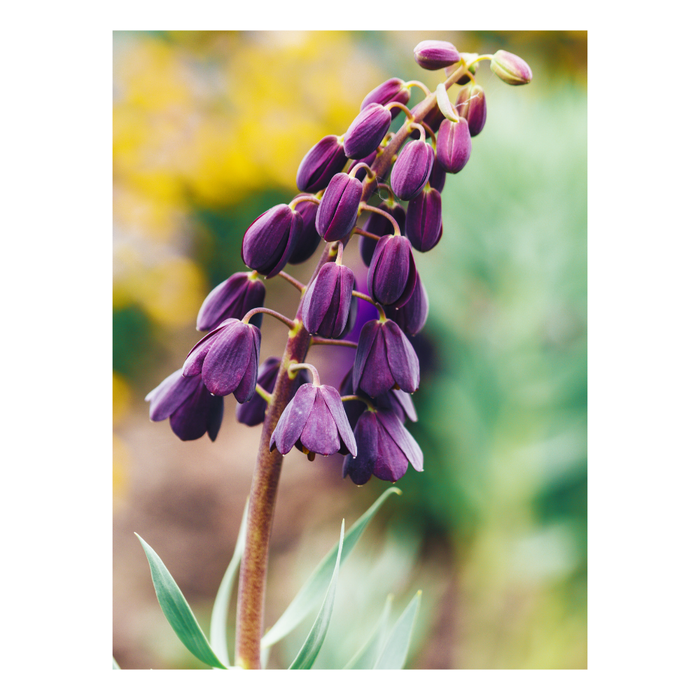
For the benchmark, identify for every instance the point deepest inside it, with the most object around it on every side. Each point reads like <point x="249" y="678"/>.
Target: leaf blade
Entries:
<point x="395" y="650"/>
<point x="368" y="654"/>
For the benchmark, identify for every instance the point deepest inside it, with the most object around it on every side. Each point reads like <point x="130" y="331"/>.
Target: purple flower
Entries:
<point x="424" y="220"/>
<point x="337" y="213"/>
<point x="384" y="449"/>
<point x="471" y="104"/>
<point x="233" y="298"/>
<point x="381" y="226"/>
<point x="392" y="273"/>
<point x="411" y="317"/>
<point x="392" y="90"/>
<point x="271" y="239"/>
<point x="432" y="54"/>
<point x="367" y="131"/>
<point x="318" y="166"/>
<point x="314" y="421"/>
<point x="308" y="238"/>
<point x="227" y="359"/>
<point x="412" y="169"/>
<point x="192" y="410"/>
<point x="384" y="359"/>
<point x="510" y="68"/>
<point x="327" y="304"/>
<point x="454" y="145"/>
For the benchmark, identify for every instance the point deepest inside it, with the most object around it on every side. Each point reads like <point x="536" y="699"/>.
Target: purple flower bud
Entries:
<point x="384" y="359"/>
<point x="432" y="55"/>
<point x="270" y="240"/>
<point x="392" y="90"/>
<point x="384" y="449"/>
<point x="308" y="239"/>
<point x="424" y="220"/>
<point x="411" y="317"/>
<point x="314" y="421"/>
<point x="192" y="410"/>
<point x="454" y="145"/>
<point x="510" y="68"/>
<point x="227" y="359"/>
<point x="392" y="273"/>
<point x="412" y="169"/>
<point x="367" y="130"/>
<point x="325" y="308"/>
<point x="380" y="226"/>
<point x="318" y="166"/>
<point x="471" y="104"/>
<point x="233" y="298"/>
<point x="437" y="177"/>
<point x="337" y="213"/>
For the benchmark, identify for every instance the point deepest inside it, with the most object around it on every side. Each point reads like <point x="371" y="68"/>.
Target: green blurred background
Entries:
<point x="209" y="128"/>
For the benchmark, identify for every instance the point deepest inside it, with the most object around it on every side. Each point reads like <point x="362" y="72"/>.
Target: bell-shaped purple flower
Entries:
<point x="471" y="104"/>
<point x="392" y="273"/>
<point x="454" y="145"/>
<point x="367" y="130"/>
<point x="318" y="166"/>
<point x="381" y="226"/>
<point x="392" y="90"/>
<point x="411" y="317"/>
<point x="314" y="421"/>
<point x="327" y="303"/>
<point x="271" y="239"/>
<point x="308" y="238"/>
<point x="384" y="449"/>
<point x="385" y="358"/>
<point x="227" y="359"/>
<point x="510" y="68"/>
<point x="432" y="54"/>
<point x="412" y="169"/>
<point x="233" y="298"/>
<point x="337" y="213"/>
<point x="424" y="220"/>
<point x="192" y="410"/>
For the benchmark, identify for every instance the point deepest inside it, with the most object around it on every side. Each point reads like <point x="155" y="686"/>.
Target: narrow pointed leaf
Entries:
<point x="367" y="656"/>
<point x="314" y="641"/>
<point x="177" y="611"/>
<point x="395" y="651"/>
<point x="309" y="594"/>
<point x="219" y="613"/>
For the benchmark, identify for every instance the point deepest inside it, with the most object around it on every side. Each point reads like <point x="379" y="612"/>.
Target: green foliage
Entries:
<point x="395" y="650"/>
<point x="368" y="655"/>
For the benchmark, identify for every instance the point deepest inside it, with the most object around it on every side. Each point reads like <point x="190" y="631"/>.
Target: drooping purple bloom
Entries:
<point x="318" y="166"/>
<point x="271" y="239"/>
<point x="367" y="131"/>
<point x="424" y="220"/>
<point x="233" y="298"/>
<point x="454" y="144"/>
<point x="327" y="303"/>
<point x="384" y="449"/>
<point x="392" y="90"/>
<point x="315" y="422"/>
<point x="391" y="276"/>
<point x="337" y="213"/>
<point x="471" y="104"/>
<point x="308" y="238"/>
<point x="510" y="68"/>
<point x="432" y="54"/>
<point x="381" y="226"/>
<point x="385" y="358"/>
<point x="411" y="317"/>
<point x="227" y="359"/>
<point x="192" y="410"/>
<point x="412" y="169"/>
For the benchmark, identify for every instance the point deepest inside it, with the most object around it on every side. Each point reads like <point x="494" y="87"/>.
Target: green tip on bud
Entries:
<point x="510" y="68"/>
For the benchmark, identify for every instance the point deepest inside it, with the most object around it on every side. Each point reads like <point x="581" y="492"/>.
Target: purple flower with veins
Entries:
<point x="315" y="422"/>
<point x="233" y="298"/>
<point x="337" y="213"/>
<point x="384" y="449"/>
<point x="328" y="308"/>
<point x="392" y="273"/>
<point x="271" y="239"/>
<point x="411" y="317"/>
<point x="192" y="410"/>
<point x="227" y="359"/>
<point x="318" y="166"/>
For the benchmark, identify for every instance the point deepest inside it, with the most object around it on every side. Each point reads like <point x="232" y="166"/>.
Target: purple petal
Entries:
<point x="368" y="336"/>
<point x="360" y="467"/>
<point x="320" y="433"/>
<point x="335" y="406"/>
<point x="391" y="462"/>
<point x="170" y="394"/>
<point x="293" y="419"/>
<point x="401" y="357"/>
<point x="403" y="439"/>
<point x="228" y="358"/>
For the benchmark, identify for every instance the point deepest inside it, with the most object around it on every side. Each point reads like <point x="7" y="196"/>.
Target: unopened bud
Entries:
<point x="432" y="55"/>
<point x="367" y="131"/>
<point x="392" y="90"/>
<point x="510" y="68"/>
<point x="337" y="213"/>
<point x="318" y="166"/>
<point x="471" y="104"/>
<point x="454" y="145"/>
<point x="412" y="169"/>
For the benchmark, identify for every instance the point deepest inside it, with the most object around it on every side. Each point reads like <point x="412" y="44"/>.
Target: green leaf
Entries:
<point x="309" y="594"/>
<point x="367" y="656"/>
<point x="177" y="611"/>
<point x="115" y="665"/>
<point x="394" y="654"/>
<point x="219" y="613"/>
<point x="314" y="641"/>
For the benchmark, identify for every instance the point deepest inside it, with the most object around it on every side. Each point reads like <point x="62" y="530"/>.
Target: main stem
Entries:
<point x="263" y="492"/>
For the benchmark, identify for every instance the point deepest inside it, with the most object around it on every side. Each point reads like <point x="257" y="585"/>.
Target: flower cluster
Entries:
<point x="385" y="188"/>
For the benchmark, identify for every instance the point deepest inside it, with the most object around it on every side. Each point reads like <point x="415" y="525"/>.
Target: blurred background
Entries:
<point x="209" y="129"/>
